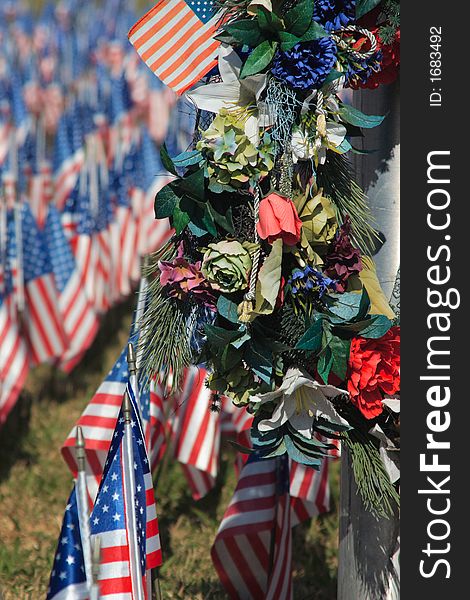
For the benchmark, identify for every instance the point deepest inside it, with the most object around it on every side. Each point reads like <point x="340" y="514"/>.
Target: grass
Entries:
<point x="35" y="483"/>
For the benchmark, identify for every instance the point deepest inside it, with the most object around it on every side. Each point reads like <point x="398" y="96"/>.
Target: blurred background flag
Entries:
<point x="175" y="39"/>
<point x="252" y="551"/>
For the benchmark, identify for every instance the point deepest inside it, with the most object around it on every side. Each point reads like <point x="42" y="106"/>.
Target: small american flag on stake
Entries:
<point x="176" y="41"/>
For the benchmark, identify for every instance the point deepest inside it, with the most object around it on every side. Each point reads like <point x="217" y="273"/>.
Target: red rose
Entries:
<point x="278" y="218"/>
<point x="374" y="370"/>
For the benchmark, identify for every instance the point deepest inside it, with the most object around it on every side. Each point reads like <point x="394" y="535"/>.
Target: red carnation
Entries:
<point x="374" y="371"/>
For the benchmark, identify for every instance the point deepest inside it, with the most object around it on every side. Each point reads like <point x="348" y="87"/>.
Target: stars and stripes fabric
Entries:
<point x="14" y="359"/>
<point x="109" y="520"/>
<point x="79" y="318"/>
<point x="68" y="577"/>
<point x="98" y="421"/>
<point x="176" y="41"/>
<point x="67" y="164"/>
<point x="152" y="402"/>
<point x="252" y="551"/>
<point x="196" y="432"/>
<point x="42" y="317"/>
<point x="14" y="355"/>
<point x="309" y="491"/>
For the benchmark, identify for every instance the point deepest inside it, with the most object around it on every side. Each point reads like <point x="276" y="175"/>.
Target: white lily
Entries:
<point x="300" y="400"/>
<point x="232" y="92"/>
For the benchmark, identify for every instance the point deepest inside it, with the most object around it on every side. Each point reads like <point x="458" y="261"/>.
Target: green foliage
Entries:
<point x="330" y="333"/>
<point x="259" y="59"/>
<point x="354" y="116"/>
<point x="365" y="6"/>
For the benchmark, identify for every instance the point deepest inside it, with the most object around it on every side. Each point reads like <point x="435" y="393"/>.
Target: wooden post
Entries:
<point x="369" y="547"/>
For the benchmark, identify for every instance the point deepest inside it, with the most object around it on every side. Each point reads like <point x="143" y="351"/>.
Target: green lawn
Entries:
<point x="35" y="483"/>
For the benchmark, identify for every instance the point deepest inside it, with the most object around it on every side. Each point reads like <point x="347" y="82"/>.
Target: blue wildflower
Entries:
<point x="308" y="286"/>
<point x="307" y="65"/>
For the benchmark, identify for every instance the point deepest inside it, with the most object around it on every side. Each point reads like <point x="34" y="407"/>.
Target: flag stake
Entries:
<point x="129" y="487"/>
<point x="82" y="505"/>
<point x="272" y="541"/>
<point x="95" y="562"/>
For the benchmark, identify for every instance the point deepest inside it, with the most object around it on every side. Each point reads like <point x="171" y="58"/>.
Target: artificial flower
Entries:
<point x="342" y="260"/>
<point x="278" y="219"/>
<point x="231" y="159"/>
<point x="226" y="266"/>
<point x="232" y="92"/>
<point x="332" y="15"/>
<point x="318" y="217"/>
<point x="307" y="286"/>
<point x="307" y="65"/>
<point x="300" y="400"/>
<point x="180" y="278"/>
<point x="389" y="63"/>
<point x="328" y="135"/>
<point x="374" y="371"/>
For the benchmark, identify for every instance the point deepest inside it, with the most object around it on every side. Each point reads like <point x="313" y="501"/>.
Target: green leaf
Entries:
<point x="230" y="358"/>
<point x="269" y="21"/>
<point x="340" y="353"/>
<point x="312" y="338"/>
<point x="332" y="75"/>
<point x="377" y="327"/>
<point x="165" y="202"/>
<point x="353" y="116"/>
<point x="325" y="363"/>
<point x="245" y="31"/>
<point x="186" y="159"/>
<point x="197" y="231"/>
<point x="225" y="221"/>
<point x="365" y="6"/>
<point x="364" y="304"/>
<point x="269" y="280"/>
<point x="314" y="32"/>
<point x="228" y="309"/>
<point x="220" y="337"/>
<point x="259" y="59"/>
<point x="193" y="185"/>
<point x="288" y="40"/>
<point x="166" y="160"/>
<point x="346" y="307"/>
<point x="179" y="220"/>
<point x="299" y="18"/>
<point x="259" y="359"/>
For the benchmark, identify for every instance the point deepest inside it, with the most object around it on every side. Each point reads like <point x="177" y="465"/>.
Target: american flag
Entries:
<point x="79" y="319"/>
<point x="114" y="504"/>
<point x="152" y="402"/>
<point x="252" y="550"/>
<point x="67" y="164"/>
<point x="43" y="321"/>
<point x="176" y="41"/>
<point x="309" y="489"/>
<point x="14" y="357"/>
<point x="196" y="432"/>
<point x="98" y="421"/>
<point x="68" y="578"/>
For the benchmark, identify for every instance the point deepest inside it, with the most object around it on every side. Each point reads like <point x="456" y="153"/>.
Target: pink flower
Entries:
<point x="181" y="277"/>
<point x="278" y="218"/>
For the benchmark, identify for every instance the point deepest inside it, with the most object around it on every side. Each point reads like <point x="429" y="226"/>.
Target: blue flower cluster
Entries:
<point x="359" y="70"/>
<point x="334" y="14"/>
<point x="307" y="65"/>
<point x="309" y="282"/>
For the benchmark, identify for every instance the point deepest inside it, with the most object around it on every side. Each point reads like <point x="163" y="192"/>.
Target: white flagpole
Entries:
<point x="131" y="363"/>
<point x="129" y="494"/>
<point x="95" y="589"/>
<point x="82" y="506"/>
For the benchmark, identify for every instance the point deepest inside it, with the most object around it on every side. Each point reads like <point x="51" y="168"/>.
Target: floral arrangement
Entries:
<point x="268" y="278"/>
